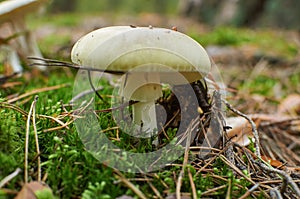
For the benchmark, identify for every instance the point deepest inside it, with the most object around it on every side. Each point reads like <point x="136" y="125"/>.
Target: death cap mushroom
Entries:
<point x="148" y="57"/>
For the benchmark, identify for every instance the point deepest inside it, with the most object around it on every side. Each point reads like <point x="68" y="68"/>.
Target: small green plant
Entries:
<point x="95" y="191"/>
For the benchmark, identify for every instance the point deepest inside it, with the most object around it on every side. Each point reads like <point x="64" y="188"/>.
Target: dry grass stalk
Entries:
<point x="185" y="160"/>
<point x="32" y="107"/>
<point x="248" y="193"/>
<point x="193" y="187"/>
<point x="9" y="177"/>
<point x="36" y="141"/>
<point x="36" y="91"/>
<point x="131" y="186"/>
<point x="254" y="129"/>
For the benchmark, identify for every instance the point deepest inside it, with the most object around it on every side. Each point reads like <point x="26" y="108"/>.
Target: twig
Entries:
<point x="224" y="159"/>
<point x="193" y="187"/>
<point x="14" y="107"/>
<point x="228" y="194"/>
<point x="36" y="141"/>
<point x="269" y="168"/>
<point x="276" y="181"/>
<point x="33" y="92"/>
<point x="213" y="190"/>
<point x="254" y="129"/>
<point x="185" y="160"/>
<point x="5" y="78"/>
<point x="248" y="192"/>
<point x="9" y="177"/>
<point x="211" y="159"/>
<point x="52" y="62"/>
<point x="93" y="87"/>
<point x="27" y="140"/>
<point x="287" y="177"/>
<point x="84" y="93"/>
<point x="130" y="185"/>
<point x="54" y="119"/>
<point x="229" y="153"/>
<point x="275" y="194"/>
<point x="77" y="112"/>
<point x="153" y="187"/>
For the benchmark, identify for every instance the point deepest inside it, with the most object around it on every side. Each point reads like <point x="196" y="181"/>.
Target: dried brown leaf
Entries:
<point x="290" y="105"/>
<point x="272" y="162"/>
<point x="30" y="190"/>
<point x="241" y="130"/>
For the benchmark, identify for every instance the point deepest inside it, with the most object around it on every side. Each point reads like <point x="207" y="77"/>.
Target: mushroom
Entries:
<point x="14" y="12"/>
<point x="148" y="57"/>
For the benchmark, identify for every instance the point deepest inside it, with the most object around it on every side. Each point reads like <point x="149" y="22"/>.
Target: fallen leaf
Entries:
<point x="240" y="132"/>
<point x="35" y="190"/>
<point x="272" y="162"/>
<point x="290" y="105"/>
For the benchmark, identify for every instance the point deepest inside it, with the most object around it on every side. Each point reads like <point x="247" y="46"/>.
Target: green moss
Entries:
<point x="58" y="20"/>
<point x="262" y="85"/>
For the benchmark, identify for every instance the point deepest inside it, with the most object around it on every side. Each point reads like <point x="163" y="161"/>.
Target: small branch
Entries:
<point x="93" y="87"/>
<point x="268" y="168"/>
<point x="9" y="177"/>
<point x="33" y="92"/>
<point x="84" y="93"/>
<point x="237" y="170"/>
<point x="287" y="179"/>
<point x="6" y="78"/>
<point x="153" y="187"/>
<point x="275" y="194"/>
<point x="249" y="191"/>
<point x="210" y="191"/>
<point x="193" y="187"/>
<point x="14" y="107"/>
<point x="52" y="62"/>
<point x="228" y="194"/>
<point x="54" y="119"/>
<point x="130" y="185"/>
<point x="185" y="160"/>
<point x="253" y="125"/>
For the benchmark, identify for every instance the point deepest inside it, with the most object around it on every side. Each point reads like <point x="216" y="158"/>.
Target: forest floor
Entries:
<point x="260" y="69"/>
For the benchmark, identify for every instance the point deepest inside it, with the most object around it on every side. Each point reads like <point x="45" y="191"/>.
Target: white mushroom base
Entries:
<point x="145" y="88"/>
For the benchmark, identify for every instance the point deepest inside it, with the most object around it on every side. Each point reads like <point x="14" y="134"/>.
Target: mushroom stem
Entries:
<point x="12" y="59"/>
<point x="144" y="116"/>
<point x="26" y="40"/>
<point x="145" y="88"/>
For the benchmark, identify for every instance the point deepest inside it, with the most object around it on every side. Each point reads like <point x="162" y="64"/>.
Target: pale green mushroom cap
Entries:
<point x="148" y="57"/>
<point x="18" y="8"/>
<point x="121" y="48"/>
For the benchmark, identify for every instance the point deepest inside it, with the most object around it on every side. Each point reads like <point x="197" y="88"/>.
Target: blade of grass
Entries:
<point x="130" y="185"/>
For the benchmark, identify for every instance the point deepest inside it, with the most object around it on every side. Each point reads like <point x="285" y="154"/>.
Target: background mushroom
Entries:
<point x="14" y="13"/>
<point x="148" y="57"/>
